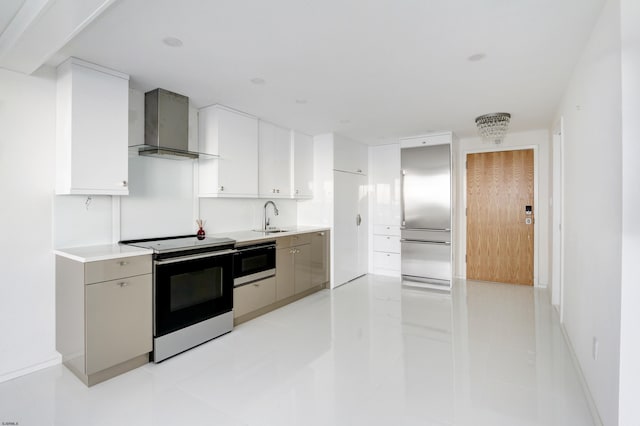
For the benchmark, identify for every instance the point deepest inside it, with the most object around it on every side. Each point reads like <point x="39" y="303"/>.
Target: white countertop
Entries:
<point x="116" y="251"/>
<point x="101" y="252"/>
<point x="249" y="235"/>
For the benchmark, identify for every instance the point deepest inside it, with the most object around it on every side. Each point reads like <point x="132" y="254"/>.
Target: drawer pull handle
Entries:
<point x="123" y="284"/>
<point x="256" y="285"/>
<point x="321" y="234"/>
<point x="123" y="263"/>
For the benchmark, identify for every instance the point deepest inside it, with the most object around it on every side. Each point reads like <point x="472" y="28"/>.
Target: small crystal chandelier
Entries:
<point x="493" y="126"/>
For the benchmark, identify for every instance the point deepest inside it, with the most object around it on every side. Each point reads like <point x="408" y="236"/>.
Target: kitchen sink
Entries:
<point x="270" y="231"/>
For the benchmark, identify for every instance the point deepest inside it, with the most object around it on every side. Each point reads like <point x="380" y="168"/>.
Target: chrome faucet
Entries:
<point x="275" y="211"/>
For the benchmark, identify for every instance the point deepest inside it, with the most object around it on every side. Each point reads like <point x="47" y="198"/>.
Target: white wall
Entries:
<point x="629" y="410"/>
<point x="27" y="291"/>
<point x="228" y="215"/>
<point x="591" y="108"/>
<point x="160" y="201"/>
<point x="538" y="139"/>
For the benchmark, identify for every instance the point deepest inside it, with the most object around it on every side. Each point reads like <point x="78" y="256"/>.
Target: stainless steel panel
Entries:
<point x="426" y="235"/>
<point x="431" y="260"/>
<point x="166" y="120"/>
<point x="194" y="257"/>
<point x="426" y="187"/>
<point x="186" y="338"/>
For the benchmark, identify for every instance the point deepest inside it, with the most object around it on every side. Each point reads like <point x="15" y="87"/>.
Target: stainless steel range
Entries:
<point x="192" y="291"/>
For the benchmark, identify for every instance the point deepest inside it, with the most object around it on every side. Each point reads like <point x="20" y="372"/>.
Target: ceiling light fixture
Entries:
<point x="172" y="42"/>
<point x="258" y="81"/>
<point x="493" y="127"/>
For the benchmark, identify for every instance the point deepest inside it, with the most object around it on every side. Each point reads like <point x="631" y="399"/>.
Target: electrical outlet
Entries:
<point x="594" y="349"/>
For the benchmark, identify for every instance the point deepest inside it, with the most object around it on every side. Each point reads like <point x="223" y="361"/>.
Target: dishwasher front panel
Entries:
<point x="426" y="261"/>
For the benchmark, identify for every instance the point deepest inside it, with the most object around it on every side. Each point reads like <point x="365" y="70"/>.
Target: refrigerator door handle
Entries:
<point x="402" y="221"/>
<point x="358" y="219"/>
<point x="445" y="243"/>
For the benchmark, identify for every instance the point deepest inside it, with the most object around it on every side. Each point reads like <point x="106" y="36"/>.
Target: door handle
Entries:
<point x="358" y="219"/>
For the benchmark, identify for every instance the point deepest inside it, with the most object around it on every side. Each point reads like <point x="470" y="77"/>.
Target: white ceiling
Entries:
<point x="390" y="67"/>
<point x="8" y="9"/>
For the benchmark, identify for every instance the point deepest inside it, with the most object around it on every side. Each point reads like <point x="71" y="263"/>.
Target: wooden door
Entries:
<point x="499" y="230"/>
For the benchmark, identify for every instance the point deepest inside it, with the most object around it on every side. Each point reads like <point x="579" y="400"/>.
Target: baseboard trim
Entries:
<point x="31" y="369"/>
<point x="583" y="382"/>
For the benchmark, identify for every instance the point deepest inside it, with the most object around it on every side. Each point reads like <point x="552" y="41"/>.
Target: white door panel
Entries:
<point x="350" y="226"/>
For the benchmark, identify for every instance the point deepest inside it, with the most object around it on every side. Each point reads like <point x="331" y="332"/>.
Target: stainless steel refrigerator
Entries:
<point x="426" y="216"/>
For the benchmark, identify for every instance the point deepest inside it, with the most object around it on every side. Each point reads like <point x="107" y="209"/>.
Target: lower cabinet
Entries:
<point x="104" y="316"/>
<point x="119" y="321"/>
<point x="253" y="296"/>
<point x="293" y="265"/>
<point x="386" y="249"/>
<point x="320" y="258"/>
<point x="302" y="266"/>
<point x="285" y="274"/>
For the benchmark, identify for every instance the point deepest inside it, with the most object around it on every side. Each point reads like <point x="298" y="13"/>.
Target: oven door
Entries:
<point x="253" y="263"/>
<point x="191" y="289"/>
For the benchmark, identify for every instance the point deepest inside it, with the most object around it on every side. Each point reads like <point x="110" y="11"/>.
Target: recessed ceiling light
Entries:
<point x="477" y="57"/>
<point x="258" y="81"/>
<point x="345" y="121"/>
<point x="301" y="101"/>
<point x="172" y="41"/>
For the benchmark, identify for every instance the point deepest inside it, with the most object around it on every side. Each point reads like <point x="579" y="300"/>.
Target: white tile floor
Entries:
<point x="367" y="353"/>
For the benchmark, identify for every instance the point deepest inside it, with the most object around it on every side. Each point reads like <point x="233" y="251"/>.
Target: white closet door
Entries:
<point x="345" y="229"/>
<point x="362" y="229"/>
<point x="350" y="226"/>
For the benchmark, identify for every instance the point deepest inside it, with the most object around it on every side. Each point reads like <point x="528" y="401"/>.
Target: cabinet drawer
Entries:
<point x="119" y="321"/>
<point x="112" y="269"/>
<point x="251" y="297"/>
<point x="386" y="230"/>
<point x="293" y="240"/>
<point x="389" y="261"/>
<point x="386" y="243"/>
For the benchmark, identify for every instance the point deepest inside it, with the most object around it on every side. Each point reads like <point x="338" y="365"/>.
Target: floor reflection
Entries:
<point x="371" y="352"/>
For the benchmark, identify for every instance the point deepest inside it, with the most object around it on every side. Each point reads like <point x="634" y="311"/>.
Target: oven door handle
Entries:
<point x="195" y="257"/>
<point x="249" y="248"/>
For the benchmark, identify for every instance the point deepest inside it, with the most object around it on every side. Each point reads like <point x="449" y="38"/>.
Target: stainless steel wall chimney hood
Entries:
<point x="166" y="126"/>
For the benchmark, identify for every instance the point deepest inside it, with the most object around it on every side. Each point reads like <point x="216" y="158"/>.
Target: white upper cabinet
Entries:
<point x="91" y="129"/>
<point x="274" y="164"/>
<point x="385" y="179"/>
<point x="427" y="140"/>
<point x="349" y="156"/>
<point x="302" y="165"/>
<point x="233" y="136"/>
